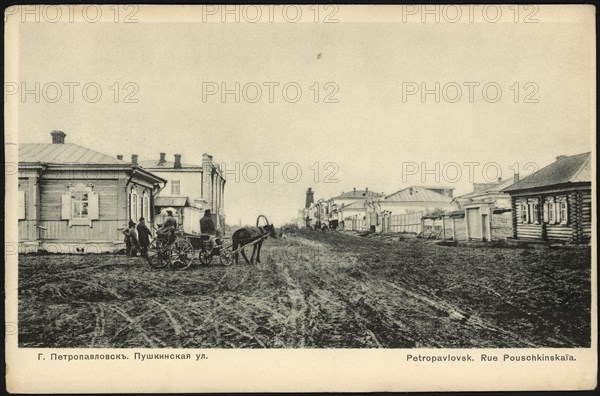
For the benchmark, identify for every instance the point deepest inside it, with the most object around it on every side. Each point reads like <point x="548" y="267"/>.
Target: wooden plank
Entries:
<point x="102" y="230"/>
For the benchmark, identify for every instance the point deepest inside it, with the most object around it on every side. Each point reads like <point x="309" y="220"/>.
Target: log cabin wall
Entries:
<point x="577" y="227"/>
<point x="586" y="215"/>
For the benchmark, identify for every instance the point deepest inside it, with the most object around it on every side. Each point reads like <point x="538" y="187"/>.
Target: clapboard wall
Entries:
<point x="112" y="189"/>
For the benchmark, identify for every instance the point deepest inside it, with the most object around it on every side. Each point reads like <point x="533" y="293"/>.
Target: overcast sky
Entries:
<point x="365" y="138"/>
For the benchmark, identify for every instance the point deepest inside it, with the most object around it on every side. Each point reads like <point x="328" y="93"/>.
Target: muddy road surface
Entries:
<point x="314" y="290"/>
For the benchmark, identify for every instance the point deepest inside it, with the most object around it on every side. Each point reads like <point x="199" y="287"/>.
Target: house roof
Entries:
<point x="439" y="187"/>
<point x="358" y="194"/>
<point x="569" y="169"/>
<point x="167" y="165"/>
<point x="171" y="201"/>
<point x="68" y="153"/>
<point x="490" y="188"/>
<point x="354" y="205"/>
<point x="416" y="194"/>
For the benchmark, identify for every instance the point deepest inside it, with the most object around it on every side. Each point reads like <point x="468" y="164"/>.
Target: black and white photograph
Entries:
<point x="289" y="190"/>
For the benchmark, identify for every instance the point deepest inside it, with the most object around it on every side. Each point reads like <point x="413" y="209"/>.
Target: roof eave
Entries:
<point x="148" y="175"/>
<point x="566" y="185"/>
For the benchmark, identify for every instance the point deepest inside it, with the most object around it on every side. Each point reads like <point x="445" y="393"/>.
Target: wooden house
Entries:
<point x="415" y="199"/>
<point x="382" y="212"/>
<point x="76" y="200"/>
<point x="554" y="203"/>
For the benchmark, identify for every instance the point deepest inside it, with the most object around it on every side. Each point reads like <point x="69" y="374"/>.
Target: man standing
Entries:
<point x="131" y="236"/>
<point x="143" y="236"/>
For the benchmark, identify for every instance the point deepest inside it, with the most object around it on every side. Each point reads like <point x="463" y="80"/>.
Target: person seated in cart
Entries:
<point x="207" y="227"/>
<point x="167" y="230"/>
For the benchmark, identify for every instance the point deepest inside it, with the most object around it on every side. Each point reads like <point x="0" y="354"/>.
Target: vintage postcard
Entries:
<point x="287" y="198"/>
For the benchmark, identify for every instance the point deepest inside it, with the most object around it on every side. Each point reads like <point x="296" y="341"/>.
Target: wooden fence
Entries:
<point x="410" y="222"/>
<point x="455" y="227"/>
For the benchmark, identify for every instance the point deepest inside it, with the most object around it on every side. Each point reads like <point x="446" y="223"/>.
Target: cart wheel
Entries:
<point x="226" y="257"/>
<point x="205" y="257"/>
<point x="181" y="254"/>
<point x="158" y="254"/>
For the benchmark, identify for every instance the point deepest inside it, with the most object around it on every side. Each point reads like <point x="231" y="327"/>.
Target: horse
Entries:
<point x="247" y="235"/>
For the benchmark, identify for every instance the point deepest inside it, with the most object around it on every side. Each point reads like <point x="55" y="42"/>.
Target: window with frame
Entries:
<point x="563" y="211"/>
<point x="139" y="208"/>
<point x="536" y="216"/>
<point x="175" y="187"/>
<point x="551" y="213"/>
<point x="133" y="210"/>
<point x="146" y="207"/>
<point x="79" y="205"/>
<point x="523" y="208"/>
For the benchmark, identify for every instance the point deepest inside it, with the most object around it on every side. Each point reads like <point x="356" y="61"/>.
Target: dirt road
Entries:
<point x="316" y="290"/>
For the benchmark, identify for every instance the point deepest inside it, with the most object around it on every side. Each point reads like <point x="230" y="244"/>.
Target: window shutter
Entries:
<point x="21" y="205"/>
<point x="93" y="206"/>
<point x="66" y="206"/>
<point x="545" y="213"/>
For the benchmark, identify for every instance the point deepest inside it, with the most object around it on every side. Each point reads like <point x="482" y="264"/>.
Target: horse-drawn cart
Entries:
<point x="179" y="250"/>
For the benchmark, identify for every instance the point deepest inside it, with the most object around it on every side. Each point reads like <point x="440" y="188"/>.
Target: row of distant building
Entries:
<point x="73" y="199"/>
<point x="552" y="204"/>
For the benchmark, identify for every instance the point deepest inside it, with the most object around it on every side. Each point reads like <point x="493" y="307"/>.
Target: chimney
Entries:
<point x="500" y="180"/>
<point x="354" y="189"/>
<point x="134" y="159"/>
<point x="309" y="198"/>
<point x="367" y="190"/>
<point x="516" y="177"/>
<point x="162" y="159"/>
<point x="177" y="161"/>
<point x="120" y="157"/>
<point x="58" y="137"/>
<point x="559" y="157"/>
